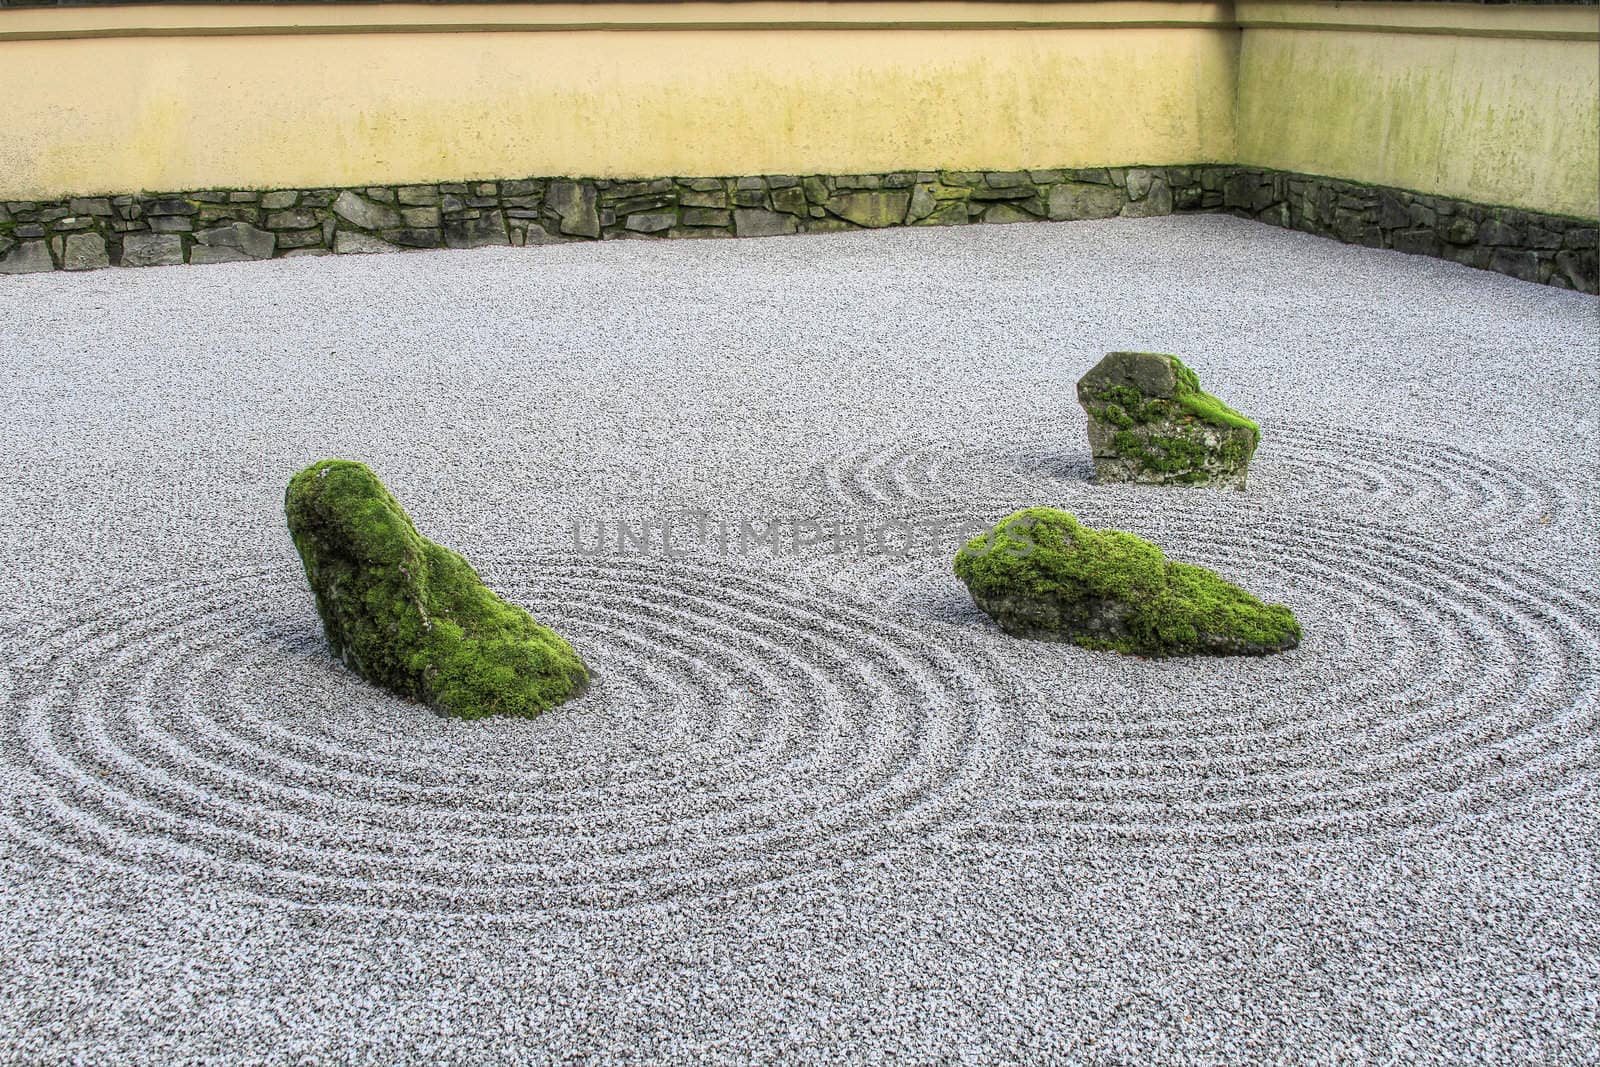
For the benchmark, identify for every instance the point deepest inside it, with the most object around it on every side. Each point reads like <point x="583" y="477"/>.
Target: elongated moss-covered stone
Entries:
<point x="412" y="616"/>
<point x="1149" y="421"/>
<point x="1041" y="574"/>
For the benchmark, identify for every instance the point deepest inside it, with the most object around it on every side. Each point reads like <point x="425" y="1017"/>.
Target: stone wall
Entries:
<point x="223" y="225"/>
<point x="1551" y="249"/>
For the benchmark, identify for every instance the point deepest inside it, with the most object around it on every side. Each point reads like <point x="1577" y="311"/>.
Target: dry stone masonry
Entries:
<point x="228" y="225"/>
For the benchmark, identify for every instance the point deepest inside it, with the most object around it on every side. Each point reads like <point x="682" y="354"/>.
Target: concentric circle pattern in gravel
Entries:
<point x="815" y="808"/>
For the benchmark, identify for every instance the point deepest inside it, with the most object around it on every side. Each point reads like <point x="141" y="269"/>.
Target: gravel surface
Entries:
<point x="815" y="808"/>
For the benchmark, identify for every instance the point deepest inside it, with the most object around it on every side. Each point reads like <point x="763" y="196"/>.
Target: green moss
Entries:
<point x="1125" y="407"/>
<point x="1041" y="570"/>
<point x="413" y="616"/>
<point x="1178" y="458"/>
<point x="1205" y="407"/>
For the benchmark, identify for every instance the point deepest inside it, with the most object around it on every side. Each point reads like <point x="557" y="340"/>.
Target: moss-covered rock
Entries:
<point x="413" y="616"/>
<point x="1149" y="421"/>
<point x="1040" y="574"/>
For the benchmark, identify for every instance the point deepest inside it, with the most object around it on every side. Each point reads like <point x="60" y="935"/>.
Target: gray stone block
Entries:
<point x="1581" y="268"/>
<point x="705" y="216"/>
<point x="871" y="207"/>
<point x="753" y="222"/>
<point x="29" y="257"/>
<point x="1083" y="200"/>
<point x="1157" y="201"/>
<point x="420" y="196"/>
<point x="574" y="204"/>
<point x="171" y="223"/>
<point x="1497" y="232"/>
<point x="204" y="254"/>
<point x="169" y="205"/>
<point x="364" y="213"/>
<point x="650" y="222"/>
<point x="85" y="251"/>
<point x="299" y="238"/>
<point x="280" y="199"/>
<point x="791" y="200"/>
<point x="1007" y="211"/>
<point x="98" y="205"/>
<point x="489" y="228"/>
<point x="298" y="219"/>
<point x="152" y="250"/>
<point x="255" y="243"/>
<point x="1420" y="242"/>
<point x="693" y="198"/>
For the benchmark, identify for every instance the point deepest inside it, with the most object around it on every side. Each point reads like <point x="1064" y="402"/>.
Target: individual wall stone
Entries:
<point x="253" y="242"/>
<point x="298" y="219"/>
<point x="359" y="211"/>
<point x="1083" y="200"/>
<point x="487" y="228"/>
<point x="152" y="250"/>
<point x="28" y="257"/>
<point x="1156" y="200"/>
<point x="650" y="221"/>
<point x="705" y="216"/>
<point x="871" y="208"/>
<point x="574" y="204"/>
<point x="418" y="196"/>
<point x="203" y="254"/>
<point x="755" y="222"/>
<point x="85" y="251"/>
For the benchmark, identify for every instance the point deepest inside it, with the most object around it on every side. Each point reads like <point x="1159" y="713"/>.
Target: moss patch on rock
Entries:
<point x="413" y="616"/>
<point x="1041" y="574"/>
<point x="1150" y="421"/>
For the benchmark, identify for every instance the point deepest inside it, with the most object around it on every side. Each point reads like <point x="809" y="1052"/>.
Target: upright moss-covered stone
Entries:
<point x="413" y="616"/>
<point x="1040" y="574"/>
<point x="1149" y="421"/>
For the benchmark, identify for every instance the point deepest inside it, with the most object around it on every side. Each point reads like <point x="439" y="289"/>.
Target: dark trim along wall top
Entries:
<point x="128" y="3"/>
<point x="224" y="225"/>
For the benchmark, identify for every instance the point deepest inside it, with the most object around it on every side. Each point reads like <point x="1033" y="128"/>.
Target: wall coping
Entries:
<point x="153" y="20"/>
<point x="1575" y="22"/>
<point x="1568" y="22"/>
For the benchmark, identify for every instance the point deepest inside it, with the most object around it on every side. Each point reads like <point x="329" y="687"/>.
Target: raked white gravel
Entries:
<point x="815" y="808"/>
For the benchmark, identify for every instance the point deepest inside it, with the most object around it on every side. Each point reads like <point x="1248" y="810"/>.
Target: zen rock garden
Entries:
<point x="413" y="617"/>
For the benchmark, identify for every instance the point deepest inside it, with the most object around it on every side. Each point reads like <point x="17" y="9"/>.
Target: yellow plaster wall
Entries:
<point x="1495" y="104"/>
<point x="119" y="113"/>
<point x="1490" y="112"/>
